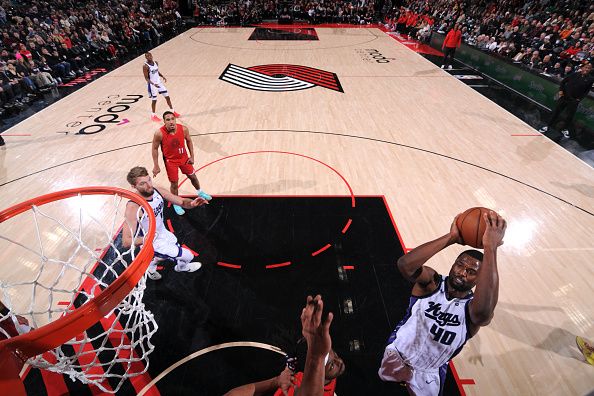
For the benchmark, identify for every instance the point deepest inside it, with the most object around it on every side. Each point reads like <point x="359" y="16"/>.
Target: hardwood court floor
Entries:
<point x="403" y="129"/>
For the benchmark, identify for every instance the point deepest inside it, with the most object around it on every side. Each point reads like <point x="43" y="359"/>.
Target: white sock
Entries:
<point x="153" y="114"/>
<point x="173" y="111"/>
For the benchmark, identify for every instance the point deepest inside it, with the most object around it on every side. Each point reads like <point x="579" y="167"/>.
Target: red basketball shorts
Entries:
<point x="172" y="170"/>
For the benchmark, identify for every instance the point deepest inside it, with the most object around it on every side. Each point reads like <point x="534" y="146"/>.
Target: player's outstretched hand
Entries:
<point x="285" y="381"/>
<point x="156" y="170"/>
<point x="198" y="202"/>
<point x="455" y="232"/>
<point x="315" y="331"/>
<point x="191" y="160"/>
<point x="495" y="231"/>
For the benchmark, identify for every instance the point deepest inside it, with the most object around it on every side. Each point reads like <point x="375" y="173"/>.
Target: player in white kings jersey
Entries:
<point x="165" y="243"/>
<point x="443" y="312"/>
<point x="155" y="85"/>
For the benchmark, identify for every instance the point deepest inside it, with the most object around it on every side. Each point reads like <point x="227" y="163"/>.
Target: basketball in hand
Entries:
<point x="471" y="225"/>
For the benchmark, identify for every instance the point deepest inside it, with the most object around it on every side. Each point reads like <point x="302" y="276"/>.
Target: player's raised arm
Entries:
<point x="411" y="265"/>
<point x="482" y="306"/>
<point x="186" y="203"/>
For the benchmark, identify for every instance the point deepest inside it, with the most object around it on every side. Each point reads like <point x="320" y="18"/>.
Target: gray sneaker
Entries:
<point x="188" y="267"/>
<point x="154" y="275"/>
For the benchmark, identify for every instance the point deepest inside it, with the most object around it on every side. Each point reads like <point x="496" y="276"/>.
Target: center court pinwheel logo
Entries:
<point x="280" y="78"/>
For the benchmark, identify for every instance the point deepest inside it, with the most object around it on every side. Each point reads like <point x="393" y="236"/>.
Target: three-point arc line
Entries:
<point x="346" y="227"/>
<point x="315" y="253"/>
<point x="278" y="265"/>
<point x="228" y="265"/>
<point x="321" y="250"/>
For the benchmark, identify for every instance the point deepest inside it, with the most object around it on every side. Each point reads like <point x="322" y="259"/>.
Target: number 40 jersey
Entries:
<point x="433" y="330"/>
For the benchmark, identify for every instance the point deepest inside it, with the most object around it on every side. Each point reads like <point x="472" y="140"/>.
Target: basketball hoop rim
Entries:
<point x="70" y="325"/>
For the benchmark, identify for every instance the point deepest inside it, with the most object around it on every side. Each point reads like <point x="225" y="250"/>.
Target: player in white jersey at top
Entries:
<point x="443" y="312"/>
<point x="165" y="243"/>
<point x="155" y="86"/>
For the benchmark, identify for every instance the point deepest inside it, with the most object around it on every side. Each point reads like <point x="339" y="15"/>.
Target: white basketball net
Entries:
<point x="117" y="347"/>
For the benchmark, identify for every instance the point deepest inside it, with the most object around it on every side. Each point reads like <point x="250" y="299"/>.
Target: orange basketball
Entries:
<point x="471" y="225"/>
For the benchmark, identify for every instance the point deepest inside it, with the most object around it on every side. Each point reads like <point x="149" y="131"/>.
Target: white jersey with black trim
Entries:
<point x="433" y="330"/>
<point x="158" y="204"/>
<point x="154" y="72"/>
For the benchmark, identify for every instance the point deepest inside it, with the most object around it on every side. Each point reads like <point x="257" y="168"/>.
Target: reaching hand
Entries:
<point x="156" y="170"/>
<point x="164" y="79"/>
<point x="495" y="230"/>
<point x="316" y="332"/>
<point x="191" y="160"/>
<point x="285" y="381"/>
<point x="455" y="232"/>
<point x="198" y="202"/>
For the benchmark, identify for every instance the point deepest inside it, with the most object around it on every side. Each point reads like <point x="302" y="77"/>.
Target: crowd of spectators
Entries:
<point x="549" y="36"/>
<point x="245" y="12"/>
<point x="45" y="44"/>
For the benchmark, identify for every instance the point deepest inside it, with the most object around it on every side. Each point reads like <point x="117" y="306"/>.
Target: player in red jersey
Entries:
<point x="170" y="137"/>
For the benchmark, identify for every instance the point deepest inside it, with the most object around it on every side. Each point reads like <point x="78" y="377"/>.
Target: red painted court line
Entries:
<point x="458" y="380"/>
<point x="169" y="225"/>
<point x="346" y="227"/>
<point x="278" y="265"/>
<point x="63" y="303"/>
<point x="395" y="226"/>
<point x="86" y="357"/>
<point x="348" y="267"/>
<point x="467" y="381"/>
<point x="54" y="382"/>
<point x="228" y="265"/>
<point x="321" y="250"/>
<point x="191" y="251"/>
<point x="289" y="153"/>
<point x="121" y="338"/>
<point x="527" y="134"/>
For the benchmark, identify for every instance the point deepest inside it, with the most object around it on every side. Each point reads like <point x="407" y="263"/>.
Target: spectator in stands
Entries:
<point x="450" y="43"/>
<point x="572" y="90"/>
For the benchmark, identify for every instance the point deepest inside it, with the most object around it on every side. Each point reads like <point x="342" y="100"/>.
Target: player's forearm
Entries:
<point x="190" y="147"/>
<point x="413" y="260"/>
<point x="313" y="377"/>
<point x="155" y="153"/>
<point x="185" y="203"/>
<point x="127" y="241"/>
<point x="487" y="288"/>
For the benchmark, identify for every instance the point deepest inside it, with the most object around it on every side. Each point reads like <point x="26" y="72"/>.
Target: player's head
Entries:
<point x="464" y="271"/>
<point x="169" y="120"/>
<point x="148" y="56"/>
<point x="334" y="366"/>
<point x="140" y="180"/>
